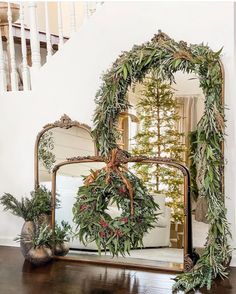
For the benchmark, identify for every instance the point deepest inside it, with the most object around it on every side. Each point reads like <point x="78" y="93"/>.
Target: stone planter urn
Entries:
<point x="3" y="12"/>
<point x="61" y="249"/>
<point x="39" y="255"/>
<point x="35" y="255"/>
<point x="27" y="229"/>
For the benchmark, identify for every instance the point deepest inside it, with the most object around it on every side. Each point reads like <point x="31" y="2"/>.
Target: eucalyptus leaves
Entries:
<point x="45" y="151"/>
<point x="167" y="57"/>
<point x="114" y="184"/>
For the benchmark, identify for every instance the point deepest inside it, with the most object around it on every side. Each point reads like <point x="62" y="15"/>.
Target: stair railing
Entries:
<point x="19" y="63"/>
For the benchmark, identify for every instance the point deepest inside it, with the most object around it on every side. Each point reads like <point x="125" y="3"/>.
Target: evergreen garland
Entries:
<point x="167" y="57"/>
<point x="192" y="164"/>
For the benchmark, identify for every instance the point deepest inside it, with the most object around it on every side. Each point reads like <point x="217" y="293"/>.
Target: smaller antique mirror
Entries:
<point x="56" y="142"/>
<point x="68" y="178"/>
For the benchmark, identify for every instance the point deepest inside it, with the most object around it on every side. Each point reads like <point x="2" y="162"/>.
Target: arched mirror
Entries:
<point x="174" y="131"/>
<point x="57" y="141"/>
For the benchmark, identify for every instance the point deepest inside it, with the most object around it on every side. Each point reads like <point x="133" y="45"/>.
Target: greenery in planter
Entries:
<point x="42" y="236"/>
<point x="63" y="233"/>
<point x="42" y="198"/>
<point x="167" y="56"/>
<point x="158" y="135"/>
<point x="29" y="208"/>
<point x="45" y="154"/>
<point x="120" y="234"/>
<point x="23" y="208"/>
<point x="36" y="238"/>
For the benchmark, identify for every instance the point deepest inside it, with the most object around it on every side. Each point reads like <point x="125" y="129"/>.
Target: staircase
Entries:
<point x="31" y="33"/>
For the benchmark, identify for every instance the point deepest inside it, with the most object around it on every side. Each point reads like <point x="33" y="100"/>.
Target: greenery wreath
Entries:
<point x="167" y="56"/>
<point x="102" y="188"/>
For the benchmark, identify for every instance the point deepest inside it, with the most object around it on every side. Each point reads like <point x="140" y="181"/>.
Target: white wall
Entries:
<point x="67" y="84"/>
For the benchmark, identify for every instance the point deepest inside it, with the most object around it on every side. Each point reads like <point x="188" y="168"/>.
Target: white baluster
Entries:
<point x="48" y="35"/>
<point x="25" y="70"/>
<point x="34" y="37"/>
<point x="91" y="7"/>
<point x="14" y="84"/>
<point x="87" y="10"/>
<point x="72" y="18"/>
<point x="60" y="25"/>
<point x="3" y="82"/>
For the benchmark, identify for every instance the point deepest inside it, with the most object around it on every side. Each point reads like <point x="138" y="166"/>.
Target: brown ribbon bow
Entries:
<point x="114" y="165"/>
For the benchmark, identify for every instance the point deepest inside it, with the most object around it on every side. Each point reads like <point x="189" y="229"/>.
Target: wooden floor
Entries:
<point x="64" y="277"/>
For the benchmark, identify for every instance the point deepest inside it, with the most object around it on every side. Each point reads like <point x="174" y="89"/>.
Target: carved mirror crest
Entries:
<point x="57" y="141"/>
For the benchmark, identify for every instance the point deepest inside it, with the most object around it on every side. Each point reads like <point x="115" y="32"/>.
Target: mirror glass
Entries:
<point x="58" y="144"/>
<point x="154" y="254"/>
<point x="187" y="85"/>
<point x="166" y="118"/>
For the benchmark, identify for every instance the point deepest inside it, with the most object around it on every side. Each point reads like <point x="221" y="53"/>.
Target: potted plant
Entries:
<point x="35" y="210"/>
<point x="62" y="237"/>
<point x="42" y="205"/>
<point x="40" y="242"/>
<point x="24" y="209"/>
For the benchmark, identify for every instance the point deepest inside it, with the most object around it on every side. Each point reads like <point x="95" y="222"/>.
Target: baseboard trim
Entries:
<point x="8" y="242"/>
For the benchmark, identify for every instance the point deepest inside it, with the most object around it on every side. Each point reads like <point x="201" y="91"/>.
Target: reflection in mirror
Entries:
<point x="58" y="144"/>
<point x="167" y="117"/>
<point x="155" y="253"/>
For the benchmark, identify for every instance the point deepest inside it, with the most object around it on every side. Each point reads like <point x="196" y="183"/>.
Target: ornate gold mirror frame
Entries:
<point x="65" y="122"/>
<point x="190" y="257"/>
